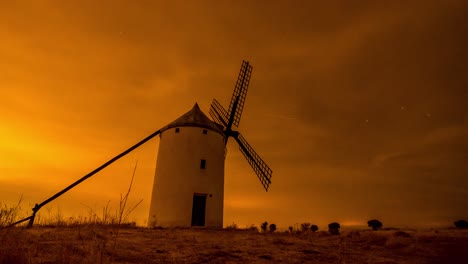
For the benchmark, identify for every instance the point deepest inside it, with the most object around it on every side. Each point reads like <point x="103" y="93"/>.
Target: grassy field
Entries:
<point x="125" y="244"/>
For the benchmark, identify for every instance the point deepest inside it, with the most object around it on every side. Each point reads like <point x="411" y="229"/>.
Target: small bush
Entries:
<point x="334" y="228"/>
<point x="314" y="228"/>
<point x="290" y="229"/>
<point x="305" y="227"/>
<point x="461" y="224"/>
<point x="272" y="227"/>
<point x="264" y="226"/>
<point x="375" y="224"/>
<point x="232" y="226"/>
<point x="252" y="228"/>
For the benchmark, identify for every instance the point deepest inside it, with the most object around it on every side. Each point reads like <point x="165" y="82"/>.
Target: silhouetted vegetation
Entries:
<point x="264" y="226"/>
<point x="314" y="228"/>
<point x="253" y="228"/>
<point x="9" y="215"/>
<point x="461" y="224"/>
<point x="272" y="227"/>
<point x="232" y="226"/>
<point x="305" y="227"/>
<point x="375" y="224"/>
<point x="290" y="229"/>
<point x="334" y="228"/>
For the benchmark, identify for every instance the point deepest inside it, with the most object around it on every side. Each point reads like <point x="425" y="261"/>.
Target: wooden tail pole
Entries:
<point x="39" y="206"/>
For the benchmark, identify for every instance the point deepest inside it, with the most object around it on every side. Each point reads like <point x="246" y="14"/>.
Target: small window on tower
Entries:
<point x="177" y="130"/>
<point x="202" y="164"/>
<point x="205" y="131"/>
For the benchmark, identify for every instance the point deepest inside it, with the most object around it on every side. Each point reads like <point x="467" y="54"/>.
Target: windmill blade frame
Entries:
<point x="218" y="113"/>
<point x="259" y="166"/>
<point x="240" y="93"/>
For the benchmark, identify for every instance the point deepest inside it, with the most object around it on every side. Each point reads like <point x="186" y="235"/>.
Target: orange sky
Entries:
<point x="359" y="108"/>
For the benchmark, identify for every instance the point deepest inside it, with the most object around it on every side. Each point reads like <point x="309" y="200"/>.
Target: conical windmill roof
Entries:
<point x="195" y="118"/>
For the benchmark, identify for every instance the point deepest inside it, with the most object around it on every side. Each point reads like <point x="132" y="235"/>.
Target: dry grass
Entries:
<point x="9" y="214"/>
<point x="98" y="244"/>
<point x="109" y="238"/>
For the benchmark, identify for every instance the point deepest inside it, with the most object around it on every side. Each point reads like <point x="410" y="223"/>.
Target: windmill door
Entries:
<point x="198" y="210"/>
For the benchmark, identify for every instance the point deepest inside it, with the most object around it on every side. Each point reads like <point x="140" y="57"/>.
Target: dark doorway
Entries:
<point x="198" y="210"/>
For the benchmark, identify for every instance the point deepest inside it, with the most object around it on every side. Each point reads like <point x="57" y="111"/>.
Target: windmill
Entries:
<point x="188" y="188"/>
<point x="189" y="179"/>
<point x="232" y="117"/>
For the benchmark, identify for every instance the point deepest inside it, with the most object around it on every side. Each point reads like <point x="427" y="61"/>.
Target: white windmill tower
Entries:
<point x="188" y="187"/>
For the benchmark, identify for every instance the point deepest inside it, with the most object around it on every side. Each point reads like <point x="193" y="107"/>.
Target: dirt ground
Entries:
<point x="107" y="244"/>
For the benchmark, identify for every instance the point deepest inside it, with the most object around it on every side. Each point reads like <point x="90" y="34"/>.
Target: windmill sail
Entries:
<point x="218" y="113"/>
<point x="240" y="92"/>
<point x="232" y="117"/>
<point x="260" y="167"/>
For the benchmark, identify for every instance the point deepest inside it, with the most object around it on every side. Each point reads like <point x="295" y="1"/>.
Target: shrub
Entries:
<point x="375" y="224"/>
<point x="252" y="228"/>
<point x="314" y="228"/>
<point x="290" y="228"/>
<point x="272" y="227"/>
<point x="232" y="226"/>
<point x="305" y="226"/>
<point x="461" y="224"/>
<point x="264" y="226"/>
<point x="334" y="228"/>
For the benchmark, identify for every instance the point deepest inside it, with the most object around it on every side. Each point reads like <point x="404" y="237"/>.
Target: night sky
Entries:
<point x="359" y="107"/>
